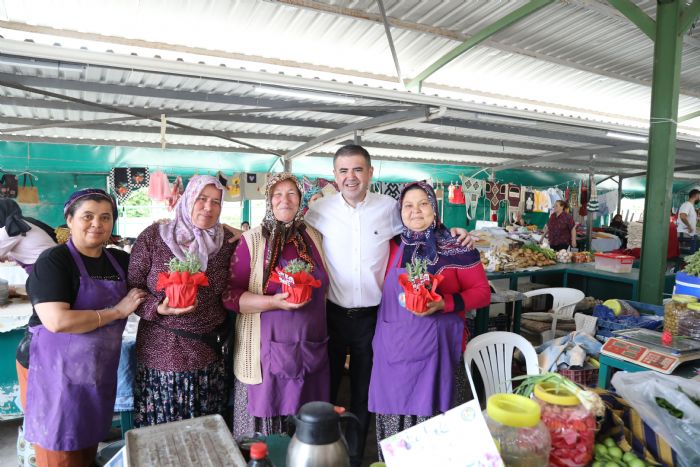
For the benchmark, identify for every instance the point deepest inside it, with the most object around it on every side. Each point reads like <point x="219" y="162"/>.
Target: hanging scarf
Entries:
<point x="182" y="236"/>
<point x="277" y="233"/>
<point x="435" y="243"/>
<point x="11" y="218"/>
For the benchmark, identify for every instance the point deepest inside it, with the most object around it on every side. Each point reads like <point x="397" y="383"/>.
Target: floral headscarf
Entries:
<point x="278" y="233"/>
<point x="435" y="243"/>
<point x="181" y="235"/>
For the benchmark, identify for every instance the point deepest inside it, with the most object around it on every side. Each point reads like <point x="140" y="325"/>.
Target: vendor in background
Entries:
<point x="561" y="228"/>
<point x="22" y="239"/>
<point x="67" y="361"/>
<point x="687" y="217"/>
<point x="180" y="374"/>
<point x="518" y="219"/>
<point x="619" y="229"/>
<point x="281" y="355"/>
<point x="417" y="370"/>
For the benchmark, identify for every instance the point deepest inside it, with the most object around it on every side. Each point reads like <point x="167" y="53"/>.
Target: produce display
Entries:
<point x="505" y="259"/>
<point x="692" y="266"/>
<point x="676" y="308"/>
<point x="563" y="256"/>
<point x="608" y="454"/>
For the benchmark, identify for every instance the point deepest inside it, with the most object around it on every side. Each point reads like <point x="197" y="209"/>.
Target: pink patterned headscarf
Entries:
<point x="181" y="235"/>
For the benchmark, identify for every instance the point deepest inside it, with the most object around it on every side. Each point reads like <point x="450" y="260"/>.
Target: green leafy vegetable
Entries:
<point x="190" y="264"/>
<point x="670" y="408"/>
<point x="692" y="266"/>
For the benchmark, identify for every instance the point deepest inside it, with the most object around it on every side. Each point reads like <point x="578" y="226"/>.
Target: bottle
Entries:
<point x="258" y="456"/>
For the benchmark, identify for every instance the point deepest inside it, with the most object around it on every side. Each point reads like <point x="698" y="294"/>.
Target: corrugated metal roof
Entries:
<point x="564" y="76"/>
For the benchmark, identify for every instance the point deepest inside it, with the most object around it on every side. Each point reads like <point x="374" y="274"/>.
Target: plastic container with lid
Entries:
<point x="674" y="310"/>
<point x="514" y="423"/>
<point x="571" y="426"/>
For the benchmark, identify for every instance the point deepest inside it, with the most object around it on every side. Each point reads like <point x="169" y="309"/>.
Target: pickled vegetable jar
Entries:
<point x="514" y="423"/>
<point x="674" y="310"/>
<point x="571" y="426"/>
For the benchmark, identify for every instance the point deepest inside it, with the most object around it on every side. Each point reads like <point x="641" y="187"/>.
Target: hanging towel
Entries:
<point x="159" y="186"/>
<point x="392" y="189"/>
<point x="529" y="201"/>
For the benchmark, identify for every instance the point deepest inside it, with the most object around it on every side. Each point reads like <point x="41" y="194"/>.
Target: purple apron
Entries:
<point x="72" y="378"/>
<point x="414" y="357"/>
<point x="293" y="352"/>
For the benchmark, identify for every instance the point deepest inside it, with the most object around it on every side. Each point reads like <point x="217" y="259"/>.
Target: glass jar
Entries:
<point x="674" y="309"/>
<point x="514" y="423"/>
<point x="571" y="426"/>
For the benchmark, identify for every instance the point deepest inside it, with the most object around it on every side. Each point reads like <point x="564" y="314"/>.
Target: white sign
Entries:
<point x="459" y="437"/>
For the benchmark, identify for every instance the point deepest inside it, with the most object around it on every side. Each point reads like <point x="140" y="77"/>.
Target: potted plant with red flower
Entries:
<point x="419" y="286"/>
<point x="296" y="280"/>
<point x="182" y="281"/>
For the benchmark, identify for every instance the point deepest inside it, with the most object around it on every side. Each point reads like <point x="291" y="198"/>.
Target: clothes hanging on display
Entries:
<point x="529" y="203"/>
<point x="593" y="199"/>
<point x="232" y="186"/>
<point x="583" y="199"/>
<point x="514" y="198"/>
<point x="159" y="186"/>
<point x="495" y="193"/>
<point x="124" y="180"/>
<point x="176" y="192"/>
<point x="254" y="185"/>
<point x="473" y="190"/>
<point x="459" y="197"/>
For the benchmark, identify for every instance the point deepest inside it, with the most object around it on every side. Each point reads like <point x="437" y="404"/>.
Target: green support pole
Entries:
<point x="662" y="149"/>
<point x="245" y="212"/>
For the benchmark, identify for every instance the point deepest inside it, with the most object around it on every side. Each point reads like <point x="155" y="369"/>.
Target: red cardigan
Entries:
<point x="463" y="289"/>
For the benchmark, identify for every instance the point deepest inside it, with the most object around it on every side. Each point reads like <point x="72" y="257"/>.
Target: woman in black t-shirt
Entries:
<point x="67" y="363"/>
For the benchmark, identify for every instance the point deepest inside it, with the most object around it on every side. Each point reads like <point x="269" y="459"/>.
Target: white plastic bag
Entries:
<point x="641" y="389"/>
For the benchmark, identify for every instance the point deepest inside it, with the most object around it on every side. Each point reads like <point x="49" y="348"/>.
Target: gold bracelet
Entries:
<point x="99" y="319"/>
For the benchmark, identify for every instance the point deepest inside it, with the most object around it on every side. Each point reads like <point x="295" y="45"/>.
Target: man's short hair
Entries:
<point x="693" y="192"/>
<point x="353" y="150"/>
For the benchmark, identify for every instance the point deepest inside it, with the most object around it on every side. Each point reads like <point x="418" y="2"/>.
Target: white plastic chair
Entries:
<point x="563" y="305"/>
<point x="493" y="355"/>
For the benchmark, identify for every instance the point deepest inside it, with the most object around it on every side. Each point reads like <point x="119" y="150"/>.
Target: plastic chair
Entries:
<point x="563" y="305"/>
<point x="493" y="355"/>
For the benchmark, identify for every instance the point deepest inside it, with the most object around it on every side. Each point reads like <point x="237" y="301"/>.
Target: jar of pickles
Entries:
<point x="571" y="426"/>
<point x="514" y="423"/>
<point x="674" y="310"/>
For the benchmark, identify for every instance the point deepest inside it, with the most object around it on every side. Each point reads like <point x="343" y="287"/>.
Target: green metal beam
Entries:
<point x="689" y="116"/>
<point x="688" y="16"/>
<point x="637" y="16"/>
<point x="668" y="49"/>
<point x="509" y="19"/>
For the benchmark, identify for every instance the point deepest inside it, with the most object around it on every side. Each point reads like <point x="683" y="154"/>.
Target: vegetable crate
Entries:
<point x="650" y="317"/>
<point x="587" y="377"/>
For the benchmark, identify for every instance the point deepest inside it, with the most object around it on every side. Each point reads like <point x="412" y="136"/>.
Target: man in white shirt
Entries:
<point x="687" y="217"/>
<point x="357" y="226"/>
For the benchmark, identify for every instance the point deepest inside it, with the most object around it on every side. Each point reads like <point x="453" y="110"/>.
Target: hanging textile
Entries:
<point x="232" y="187"/>
<point x="593" y="199"/>
<point x="495" y="193"/>
<point x="8" y="186"/>
<point x="473" y="190"/>
<point x="124" y="180"/>
<point x="159" y="186"/>
<point x="451" y="193"/>
<point x="529" y="204"/>
<point x="583" y="199"/>
<point x="254" y="185"/>
<point x="514" y="196"/>
<point x="392" y="189"/>
<point x="458" y="196"/>
<point x="175" y="193"/>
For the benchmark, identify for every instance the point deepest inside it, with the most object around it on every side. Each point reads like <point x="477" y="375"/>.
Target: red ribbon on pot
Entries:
<point x="181" y="287"/>
<point x="417" y="298"/>
<point x="297" y="285"/>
